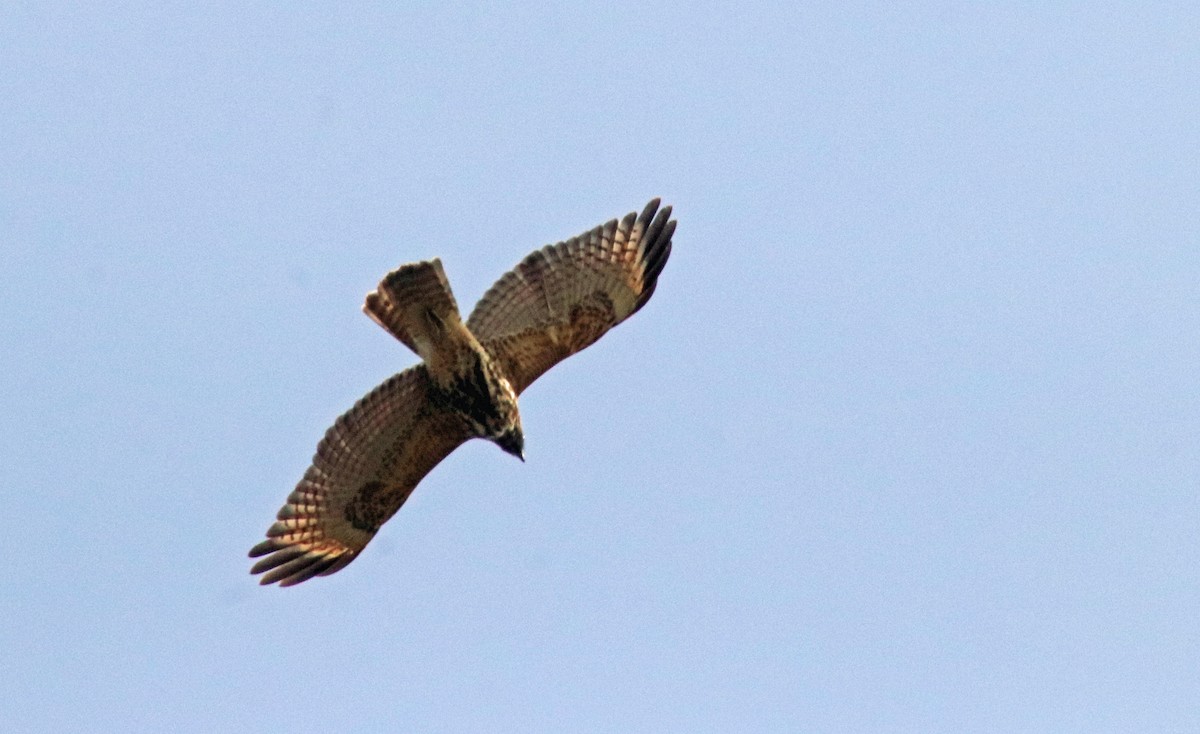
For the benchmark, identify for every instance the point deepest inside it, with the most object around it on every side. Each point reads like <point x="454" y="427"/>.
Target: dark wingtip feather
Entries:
<point x="656" y="225"/>
<point x="656" y="247"/>
<point x="265" y="547"/>
<point x="293" y="567"/>
<point x="277" y="558"/>
<point x="656" y="257"/>
<point x="338" y="564"/>
<point x="314" y="568"/>
<point x="292" y="564"/>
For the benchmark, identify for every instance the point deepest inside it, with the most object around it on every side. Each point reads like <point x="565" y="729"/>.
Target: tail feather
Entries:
<point x="414" y="303"/>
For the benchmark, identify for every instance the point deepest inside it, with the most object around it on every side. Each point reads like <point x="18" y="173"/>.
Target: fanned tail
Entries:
<point x="414" y="303"/>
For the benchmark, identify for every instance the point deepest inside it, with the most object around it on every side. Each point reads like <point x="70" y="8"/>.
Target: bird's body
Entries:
<point x="557" y="301"/>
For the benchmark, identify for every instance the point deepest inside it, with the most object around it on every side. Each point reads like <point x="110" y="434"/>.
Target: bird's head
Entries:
<point x="507" y="433"/>
<point x="512" y="441"/>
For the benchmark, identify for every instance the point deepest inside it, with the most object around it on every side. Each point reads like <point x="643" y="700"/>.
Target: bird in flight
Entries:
<point x="557" y="301"/>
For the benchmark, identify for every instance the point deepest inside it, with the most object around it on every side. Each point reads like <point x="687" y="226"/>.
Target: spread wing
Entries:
<point x="564" y="297"/>
<point x="364" y="469"/>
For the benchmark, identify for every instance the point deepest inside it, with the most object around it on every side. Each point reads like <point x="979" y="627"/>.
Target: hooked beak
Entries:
<point x="513" y="442"/>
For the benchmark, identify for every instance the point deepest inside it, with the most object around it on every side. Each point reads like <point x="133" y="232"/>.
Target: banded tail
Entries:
<point x="414" y="303"/>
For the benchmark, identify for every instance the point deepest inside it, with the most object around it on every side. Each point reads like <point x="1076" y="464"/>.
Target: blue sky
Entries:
<point x="905" y="441"/>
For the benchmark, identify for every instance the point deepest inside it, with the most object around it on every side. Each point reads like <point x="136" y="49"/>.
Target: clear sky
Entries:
<point x="906" y="440"/>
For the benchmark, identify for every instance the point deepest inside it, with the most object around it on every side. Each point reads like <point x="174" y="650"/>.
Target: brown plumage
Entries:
<point x="557" y="301"/>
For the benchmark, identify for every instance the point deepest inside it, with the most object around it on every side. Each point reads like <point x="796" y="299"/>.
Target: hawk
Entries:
<point x="557" y="301"/>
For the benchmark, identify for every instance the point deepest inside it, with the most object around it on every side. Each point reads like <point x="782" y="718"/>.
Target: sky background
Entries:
<point x="906" y="440"/>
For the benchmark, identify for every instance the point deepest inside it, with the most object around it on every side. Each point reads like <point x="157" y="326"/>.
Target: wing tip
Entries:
<point x="289" y="561"/>
<point x="658" y="229"/>
<point x="289" y="565"/>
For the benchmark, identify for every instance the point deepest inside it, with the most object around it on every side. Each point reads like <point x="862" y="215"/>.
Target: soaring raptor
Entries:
<point x="557" y="301"/>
